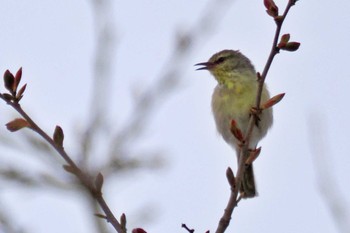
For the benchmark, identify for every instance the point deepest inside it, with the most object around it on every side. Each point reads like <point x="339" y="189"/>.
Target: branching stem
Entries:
<point x="83" y="177"/>
<point x="244" y="152"/>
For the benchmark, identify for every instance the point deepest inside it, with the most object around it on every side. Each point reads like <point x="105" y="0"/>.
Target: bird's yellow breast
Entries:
<point x="235" y="96"/>
<point x="233" y="100"/>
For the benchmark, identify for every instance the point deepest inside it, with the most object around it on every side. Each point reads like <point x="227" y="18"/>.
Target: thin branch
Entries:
<point x="183" y="225"/>
<point x="101" y="227"/>
<point x="261" y="78"/>
<point x="168" y="81"/>
<point x="7" y="224"/>
<point x="16" y="175"/>
<point x="84" y="178"/>
<point x="102" y="73"/>
<point x="244" y="152"/>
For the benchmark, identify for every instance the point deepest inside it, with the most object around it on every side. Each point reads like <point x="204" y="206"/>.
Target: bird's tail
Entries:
<point x="248" y="183"/>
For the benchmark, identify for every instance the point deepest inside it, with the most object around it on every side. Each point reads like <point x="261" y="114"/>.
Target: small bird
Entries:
<point x="233" y="99"/>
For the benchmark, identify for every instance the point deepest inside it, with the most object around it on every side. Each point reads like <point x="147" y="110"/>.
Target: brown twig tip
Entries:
<point x="230" y="177"/>
<point x="7" y="97"/>
<point x="271" y="8"/>
<point x="20" y="93"/>
<point x="58" y="136"/>
<point x="56" y="141"/>
<point x="274" y="100"/>
<point x="17" y="124"/>
<point x="291" y="46"/>
<point x="123" y="222"/>
<point x="18" y="77"/>
<point x="284" y="44"/>
<point x="283" y="41"/>
<point x="11" y="82"/>
<point x="183" y="225"/>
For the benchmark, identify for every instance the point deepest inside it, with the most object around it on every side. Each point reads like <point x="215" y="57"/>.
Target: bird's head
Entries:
<point x="227" y="63"/>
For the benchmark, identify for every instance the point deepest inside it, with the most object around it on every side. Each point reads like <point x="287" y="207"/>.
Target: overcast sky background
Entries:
<point x="54" y="42"/>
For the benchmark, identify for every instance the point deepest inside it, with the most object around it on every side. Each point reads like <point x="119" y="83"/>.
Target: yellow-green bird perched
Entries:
<point x="233" y="99"/>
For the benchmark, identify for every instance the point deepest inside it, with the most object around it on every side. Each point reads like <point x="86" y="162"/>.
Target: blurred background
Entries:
<point x="118" y="77"/>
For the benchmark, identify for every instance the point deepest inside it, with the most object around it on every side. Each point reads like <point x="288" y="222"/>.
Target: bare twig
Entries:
<point x="102" y="73"/>
<point x="183" y="225"/>
<point x="83" y="177"/>
<point x="244" y="152"/>
<point x="14" y="174"/>
<point x="7" y="224"/>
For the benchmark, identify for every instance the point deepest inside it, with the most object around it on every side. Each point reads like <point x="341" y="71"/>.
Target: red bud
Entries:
<point x="230" y="177"/>
<point x="123" y="221"/>
<point x="138" y="230"/>
<point x="9" y="81"/>
<point x="20" y="93"/>
<point x="284" y="40"/>
<point x="58" y="136"/>
<point x="274" y="100"/>
<point x="17" y="124"/>
<point x="271" y="8"/>
<point x="291" y="46"/>
<point x="236" y="131"/>
<point x="18" y="77"/>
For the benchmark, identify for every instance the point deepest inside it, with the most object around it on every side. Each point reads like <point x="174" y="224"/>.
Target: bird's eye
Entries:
<point x="220" y="60"/>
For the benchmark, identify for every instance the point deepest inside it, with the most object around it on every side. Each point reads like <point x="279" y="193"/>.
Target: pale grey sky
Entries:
<point x="54" y="43"/>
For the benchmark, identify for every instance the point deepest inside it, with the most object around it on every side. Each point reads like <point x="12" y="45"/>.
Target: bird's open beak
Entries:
<point x="206" y="65"/>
